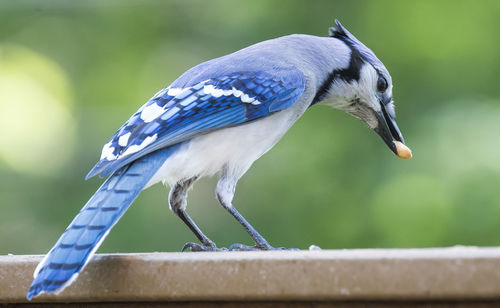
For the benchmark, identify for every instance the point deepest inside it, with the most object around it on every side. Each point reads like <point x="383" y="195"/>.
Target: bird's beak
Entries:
<point x="390" y="133"/>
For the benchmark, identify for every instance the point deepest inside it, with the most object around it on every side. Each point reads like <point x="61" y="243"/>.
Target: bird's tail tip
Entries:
<point x="43" y="285"/>
<point x="34" y="291"/>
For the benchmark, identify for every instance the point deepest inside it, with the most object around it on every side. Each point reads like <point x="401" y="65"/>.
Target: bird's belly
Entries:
<point x="235" y="148"/>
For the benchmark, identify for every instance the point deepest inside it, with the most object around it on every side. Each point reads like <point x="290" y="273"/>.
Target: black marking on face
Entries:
<point x="352" y="72"/>
<point x="323" y="89"/>
<point x="347" y="74"/>
<point x="360" y="54"/>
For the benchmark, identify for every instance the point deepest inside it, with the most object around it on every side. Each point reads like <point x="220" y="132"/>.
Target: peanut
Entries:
<point x="402" y="150"/>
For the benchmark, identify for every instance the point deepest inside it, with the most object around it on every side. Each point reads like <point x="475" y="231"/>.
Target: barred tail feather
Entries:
<point x="84" y="235"/>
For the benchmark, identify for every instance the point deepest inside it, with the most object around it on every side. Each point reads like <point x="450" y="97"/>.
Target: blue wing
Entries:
<point x="175" y="115"/>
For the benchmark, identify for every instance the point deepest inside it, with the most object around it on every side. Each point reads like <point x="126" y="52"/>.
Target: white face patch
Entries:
<point x="151" y="112"/>
<point x="342" y="94"/>
<point x="137" y="147"/>
<point x="358" y="98"/>
<point x="107" y="152"/>
<point x="123" y="140"/>
<point x="366" y="87"/>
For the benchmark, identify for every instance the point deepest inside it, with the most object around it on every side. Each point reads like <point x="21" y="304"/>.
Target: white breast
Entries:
<point x="235" y="148"/>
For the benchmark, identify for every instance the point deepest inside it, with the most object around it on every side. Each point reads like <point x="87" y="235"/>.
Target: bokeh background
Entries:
<point x="71" y="72"/>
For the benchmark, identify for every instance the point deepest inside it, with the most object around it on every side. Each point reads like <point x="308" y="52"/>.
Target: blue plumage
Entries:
<point x="219" y="117"/>
<point x="195" y="110"/>
<point x="69" y="255"/>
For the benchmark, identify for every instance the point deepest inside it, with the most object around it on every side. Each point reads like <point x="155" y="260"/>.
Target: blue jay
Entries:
<point x="219" y="117"/>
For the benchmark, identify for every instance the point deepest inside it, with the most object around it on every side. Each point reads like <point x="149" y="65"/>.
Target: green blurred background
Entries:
<point x="71" y="72"/>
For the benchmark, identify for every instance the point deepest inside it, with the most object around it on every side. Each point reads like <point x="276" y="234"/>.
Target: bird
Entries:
<point x="218" y="118"/>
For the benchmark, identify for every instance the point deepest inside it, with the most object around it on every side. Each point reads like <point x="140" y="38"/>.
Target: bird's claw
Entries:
<point x="191" y="246"/>
<point x="198" y="247"/>
<point x="241" y="247"/>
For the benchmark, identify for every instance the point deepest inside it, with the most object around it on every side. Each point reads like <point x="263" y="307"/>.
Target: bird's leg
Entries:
<point x="260" y="242"/>
<point x="225" y="192"/>
<point x="177" y="200"/>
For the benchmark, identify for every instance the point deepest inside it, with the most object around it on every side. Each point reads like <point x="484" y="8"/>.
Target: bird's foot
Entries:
<point x="201" y="247"/>
<point x="241" y="247"/>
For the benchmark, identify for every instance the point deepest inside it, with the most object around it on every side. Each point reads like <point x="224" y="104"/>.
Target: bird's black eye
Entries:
<point x="382" y="84"/>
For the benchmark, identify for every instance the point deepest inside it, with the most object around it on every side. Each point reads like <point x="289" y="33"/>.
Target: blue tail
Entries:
<point x="84" y="235"/>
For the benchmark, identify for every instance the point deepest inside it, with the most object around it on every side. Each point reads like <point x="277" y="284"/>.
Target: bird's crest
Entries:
<point x="338" y="31"/>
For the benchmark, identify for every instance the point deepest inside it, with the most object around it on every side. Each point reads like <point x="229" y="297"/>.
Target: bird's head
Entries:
<point x="364" y="90"/>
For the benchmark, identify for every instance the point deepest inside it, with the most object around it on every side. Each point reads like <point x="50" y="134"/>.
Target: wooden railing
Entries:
<point x="437" y="277"/>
